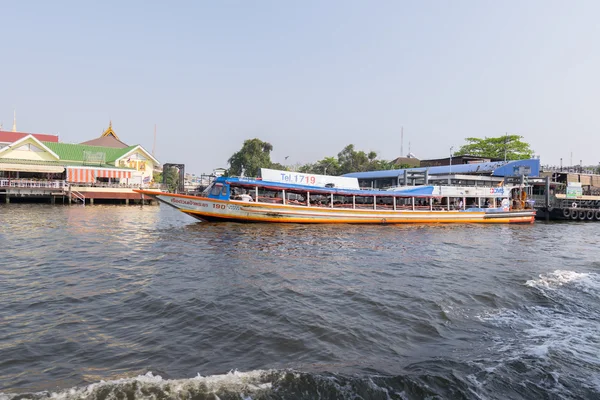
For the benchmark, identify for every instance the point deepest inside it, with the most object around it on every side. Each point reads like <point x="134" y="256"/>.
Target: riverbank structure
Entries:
<point x="40" y="167"/>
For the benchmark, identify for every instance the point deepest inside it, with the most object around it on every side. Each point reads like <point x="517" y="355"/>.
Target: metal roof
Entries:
<point x="74" y="152"/>
<point x="58" y="163"/>
<point x="414" y="191"/>
<point x="496" y="168"/>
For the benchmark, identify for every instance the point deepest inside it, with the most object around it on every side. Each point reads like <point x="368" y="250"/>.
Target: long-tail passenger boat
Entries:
<point x="282" y="196"/>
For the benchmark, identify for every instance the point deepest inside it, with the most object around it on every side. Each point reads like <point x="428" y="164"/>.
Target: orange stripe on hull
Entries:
<point x="382" y="221"/>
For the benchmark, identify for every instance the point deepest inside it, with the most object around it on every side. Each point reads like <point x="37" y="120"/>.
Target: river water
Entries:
<point x="145" y="302"/>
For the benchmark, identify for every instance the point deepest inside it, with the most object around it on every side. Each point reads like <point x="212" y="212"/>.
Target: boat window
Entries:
<point x="296" y="198"/>
<point x="342" y="201"/>
<point x="319" y="200"/>
<point x="224" y="191"/>
<point x="385" y="202"/>
<point x="269" y="196"/>
<point x="403" y="202"/>
<point x="216" y="189"/>
<point x="208" y="189"/>
<point x="364" y="201"/>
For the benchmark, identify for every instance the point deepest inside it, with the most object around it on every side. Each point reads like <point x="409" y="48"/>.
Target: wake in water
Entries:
<point x="557" y="341"/>
<point x="254" y="385"/>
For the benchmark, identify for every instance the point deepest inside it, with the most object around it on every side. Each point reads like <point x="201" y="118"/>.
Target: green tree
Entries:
<point x="171" y="175"/>
<point x="254" y="155"/>
<point x="351" y="160"/>
<point x="510" y="147"/>
<point x="326" y="166"/>
<point x="279" y="166"/>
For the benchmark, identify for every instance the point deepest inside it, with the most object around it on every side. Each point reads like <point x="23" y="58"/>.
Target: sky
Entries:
<point x="309" y="77"/>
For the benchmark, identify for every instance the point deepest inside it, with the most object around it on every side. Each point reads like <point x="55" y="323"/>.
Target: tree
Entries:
<point x="508" y="146"/>
<point x="254" y="155"/>
<point x="326" y="166"/>
<point x="171" y="175"/>
<point x="351" y="160"/>
<point x="348" y="160"/>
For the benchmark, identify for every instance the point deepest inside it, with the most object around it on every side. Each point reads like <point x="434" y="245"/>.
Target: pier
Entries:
<point x="61" y="192"/>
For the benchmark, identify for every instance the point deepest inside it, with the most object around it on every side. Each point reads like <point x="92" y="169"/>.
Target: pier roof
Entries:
<point x="495" y="168"/>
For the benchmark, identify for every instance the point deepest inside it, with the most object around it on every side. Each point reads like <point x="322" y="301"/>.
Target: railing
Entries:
<point x="119" y="185"/>
<point x="78" y="196"/>
<point x="32" y="183"/>
<point x="575" y="169"/>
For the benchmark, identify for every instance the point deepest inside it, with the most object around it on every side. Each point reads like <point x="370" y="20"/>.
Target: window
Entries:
<point x="216" y="190"/>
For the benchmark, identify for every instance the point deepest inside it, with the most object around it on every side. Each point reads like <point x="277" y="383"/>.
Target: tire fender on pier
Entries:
<point x="597" y="215"/>
<point x="574" y="214"/>
<point x="581" y="215"/>
<point x="566" y="212"/>
<point x="589" y="215"/>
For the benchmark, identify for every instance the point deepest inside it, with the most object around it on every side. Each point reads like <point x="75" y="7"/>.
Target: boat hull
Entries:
<point x="215" y="210"/>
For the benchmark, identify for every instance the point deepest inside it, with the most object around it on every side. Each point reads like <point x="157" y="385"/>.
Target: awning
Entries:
<point x="32" y="168"/>
<point x="88" y="175"/>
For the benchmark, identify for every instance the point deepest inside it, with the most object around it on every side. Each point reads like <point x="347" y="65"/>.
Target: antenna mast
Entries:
<point x="402" y="142"/>
<point x="154" y="143"/>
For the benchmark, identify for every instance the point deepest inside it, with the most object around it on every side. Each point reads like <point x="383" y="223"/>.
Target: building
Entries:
<point x="456" y="160"/>
<point x="103" y="168"/>
<point x="474" y="174"/>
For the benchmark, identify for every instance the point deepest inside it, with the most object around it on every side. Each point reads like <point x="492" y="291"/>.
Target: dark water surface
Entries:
<point x="128" y="302"/>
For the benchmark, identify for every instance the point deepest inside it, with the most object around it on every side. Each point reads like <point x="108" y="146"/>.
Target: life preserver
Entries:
<point x="574" y="205"/>
<point x="566" y="212"/>
<point x="581" y="215"/>
<point x="597" y="215"/>
<point x="589" y="215"/>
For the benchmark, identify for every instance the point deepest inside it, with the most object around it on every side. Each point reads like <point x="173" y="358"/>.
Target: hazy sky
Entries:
<point x="309" y="77"/>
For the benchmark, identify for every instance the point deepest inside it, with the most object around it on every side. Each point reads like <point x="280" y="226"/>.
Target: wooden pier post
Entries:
<point x="547" y="198"/>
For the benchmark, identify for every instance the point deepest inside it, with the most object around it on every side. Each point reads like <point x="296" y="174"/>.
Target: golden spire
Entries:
<point x="110" y="132"/>
<point x="15" y="121"/>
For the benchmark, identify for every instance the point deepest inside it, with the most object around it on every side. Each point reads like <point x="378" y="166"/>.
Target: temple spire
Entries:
<point x="15" y="121"/>
<point x="110" y="132"/>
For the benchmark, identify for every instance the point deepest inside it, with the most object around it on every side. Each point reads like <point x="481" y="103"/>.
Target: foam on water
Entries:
<point x="253" y="385"/>
<point x="559" y="278"/>
<point x="231" y="385"/>
<point x="562" y="334"/>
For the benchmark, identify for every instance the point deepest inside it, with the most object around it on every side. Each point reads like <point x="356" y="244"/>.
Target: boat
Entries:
<point x="290" y="197"/>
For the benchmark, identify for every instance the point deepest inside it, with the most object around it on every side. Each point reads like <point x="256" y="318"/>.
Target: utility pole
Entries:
<point x="505" y="143"/>
<point x="402" y="142"/>
<point x="450" y="172"/>
<point x="154" y="143"/>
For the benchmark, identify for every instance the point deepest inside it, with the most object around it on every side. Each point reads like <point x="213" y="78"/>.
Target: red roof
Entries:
<point x="10" y="137"/>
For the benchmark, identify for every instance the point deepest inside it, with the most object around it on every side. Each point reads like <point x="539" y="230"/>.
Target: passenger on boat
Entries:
<point x="245" y="197"/>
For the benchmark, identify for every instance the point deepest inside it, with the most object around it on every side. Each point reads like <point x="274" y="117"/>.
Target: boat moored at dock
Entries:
<point x="281" y="196"/>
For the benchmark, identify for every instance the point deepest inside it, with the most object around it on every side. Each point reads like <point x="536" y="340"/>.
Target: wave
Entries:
<point x="560" y="278"/>
<point x="253" y="385"/>
<point x="559" y="334"/>
<point x="438" y="379"/>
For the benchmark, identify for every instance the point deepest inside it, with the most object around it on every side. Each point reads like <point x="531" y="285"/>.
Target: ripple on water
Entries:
<point x="457" y="311"/>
